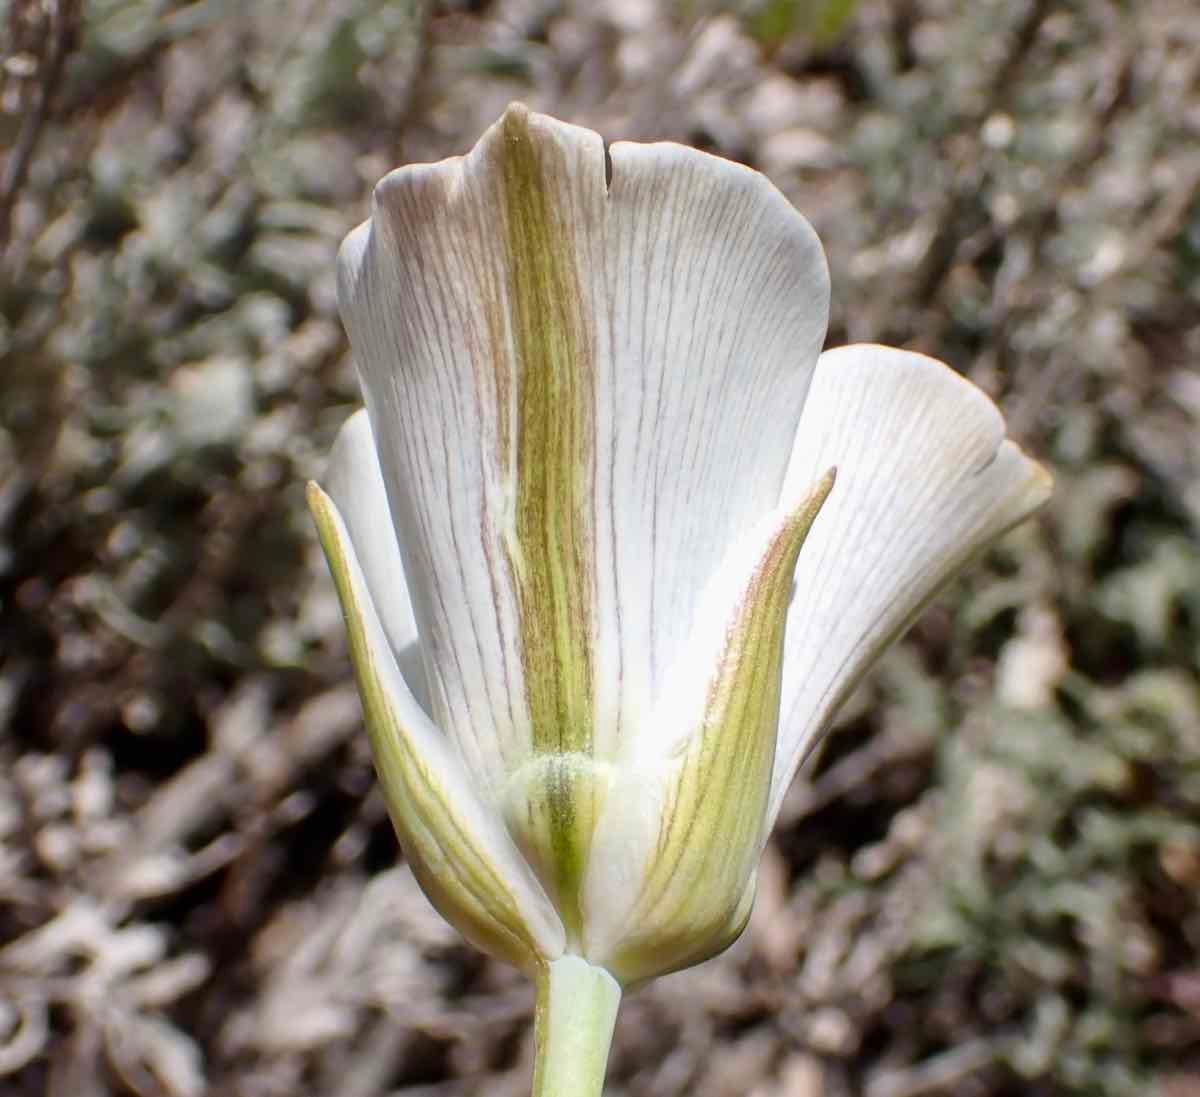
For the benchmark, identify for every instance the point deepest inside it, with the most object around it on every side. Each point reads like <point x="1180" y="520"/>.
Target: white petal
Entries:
<point x="717" y="301"/>
<point x="355" y="484"/>
<point x="926" y="480"/>
<point x="581" y="395"/>
<point x="457" y="846"/>
<point x="446" y="328"/>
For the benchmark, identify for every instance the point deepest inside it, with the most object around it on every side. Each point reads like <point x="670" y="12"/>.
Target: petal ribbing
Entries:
<point x="468" y="298"/>
<point x="715" y="306"/>
<point x="926" y="480"/>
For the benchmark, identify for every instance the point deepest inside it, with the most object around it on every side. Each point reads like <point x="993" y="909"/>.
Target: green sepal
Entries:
<point x="696" y="890"/>
<point x="460" y="854"/>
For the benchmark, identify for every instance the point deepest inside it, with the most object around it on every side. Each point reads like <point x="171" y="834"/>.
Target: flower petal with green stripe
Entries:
<point x="603" y="586"/>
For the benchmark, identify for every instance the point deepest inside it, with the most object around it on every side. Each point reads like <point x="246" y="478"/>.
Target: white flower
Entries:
<point x="603" y="593"/>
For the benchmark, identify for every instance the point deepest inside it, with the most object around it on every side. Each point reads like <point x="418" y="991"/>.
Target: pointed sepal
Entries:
<point x="457" y="845"/>
<point x="670" y="882"/>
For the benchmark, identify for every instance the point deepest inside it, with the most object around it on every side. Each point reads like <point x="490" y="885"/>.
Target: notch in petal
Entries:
<point x="926" y="480"/>
<point x="459" y="851"/>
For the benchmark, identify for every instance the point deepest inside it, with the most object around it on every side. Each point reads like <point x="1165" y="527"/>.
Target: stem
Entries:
<point x="573" y="1027"/>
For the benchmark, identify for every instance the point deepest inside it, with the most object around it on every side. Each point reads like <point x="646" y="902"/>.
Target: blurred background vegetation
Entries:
<point x="989" y="882"/>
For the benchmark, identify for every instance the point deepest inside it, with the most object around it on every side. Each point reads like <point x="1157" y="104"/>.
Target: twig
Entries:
<point x="56" y="43"/>
<point x="939" y="256"/>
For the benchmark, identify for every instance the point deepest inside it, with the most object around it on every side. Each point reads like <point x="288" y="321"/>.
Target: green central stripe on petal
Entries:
<point x="551" y="556"/>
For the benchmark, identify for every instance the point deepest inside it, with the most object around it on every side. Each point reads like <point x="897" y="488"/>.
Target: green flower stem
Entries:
<point x="576" y="1010"/>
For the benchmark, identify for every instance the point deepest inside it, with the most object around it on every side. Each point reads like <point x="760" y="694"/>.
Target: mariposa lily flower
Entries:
<point x="603" y="588"/>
